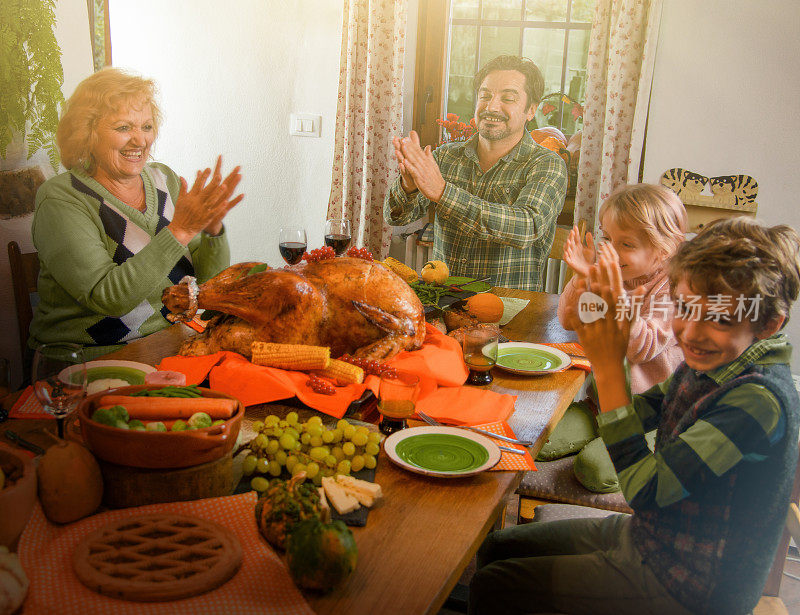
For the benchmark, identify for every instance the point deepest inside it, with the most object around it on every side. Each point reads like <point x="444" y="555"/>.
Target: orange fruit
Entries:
<point x="486" y="307"/>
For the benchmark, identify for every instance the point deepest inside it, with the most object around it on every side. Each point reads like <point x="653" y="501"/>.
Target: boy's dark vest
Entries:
<point x="713" y="549"/>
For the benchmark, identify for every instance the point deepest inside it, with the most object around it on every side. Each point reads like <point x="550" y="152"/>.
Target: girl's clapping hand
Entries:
<point x="578" y="256"/>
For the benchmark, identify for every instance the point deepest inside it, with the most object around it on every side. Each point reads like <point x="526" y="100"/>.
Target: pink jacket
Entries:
<point x="653" y="353"/>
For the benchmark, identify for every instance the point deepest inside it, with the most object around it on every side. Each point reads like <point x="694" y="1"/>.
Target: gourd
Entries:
<point x="283" y="504"/>
<point x="486" y="307"/>
<point x="70" y="482"/>
<point x="13" y="582"/>
<point x="321" y="555"/>
<point x="435" y="272"/>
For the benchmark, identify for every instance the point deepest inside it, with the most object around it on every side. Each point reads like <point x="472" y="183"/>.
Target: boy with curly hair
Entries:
<point x="710" y="503"/>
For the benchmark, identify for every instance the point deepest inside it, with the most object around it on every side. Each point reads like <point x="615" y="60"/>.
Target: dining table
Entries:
<point x="421" y="537"/>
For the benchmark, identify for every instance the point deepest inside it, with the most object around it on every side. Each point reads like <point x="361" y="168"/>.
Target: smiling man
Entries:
<point x="496" y="196"/>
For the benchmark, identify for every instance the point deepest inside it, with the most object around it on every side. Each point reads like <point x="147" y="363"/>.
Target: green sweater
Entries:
<point x="105" y="264"/>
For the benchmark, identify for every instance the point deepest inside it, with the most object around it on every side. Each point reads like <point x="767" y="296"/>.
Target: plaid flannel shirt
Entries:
<point x="499" y="223"/>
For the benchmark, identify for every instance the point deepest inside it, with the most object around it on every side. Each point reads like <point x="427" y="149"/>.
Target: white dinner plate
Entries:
<point x="447" y="452"/>
<point x="130" y="371"/>
<point x="530" y="359"/>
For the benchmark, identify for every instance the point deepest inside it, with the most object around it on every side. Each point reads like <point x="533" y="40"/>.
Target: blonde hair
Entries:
<point x="107" y="91"/>
<point x="741" y="256"/>
<point x="654" y="210"/>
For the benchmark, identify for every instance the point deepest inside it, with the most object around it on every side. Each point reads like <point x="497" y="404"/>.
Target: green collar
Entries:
<point x="775" y="349"/>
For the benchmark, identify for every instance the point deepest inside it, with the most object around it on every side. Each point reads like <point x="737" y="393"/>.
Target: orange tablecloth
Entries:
<point x="262" y="584"/>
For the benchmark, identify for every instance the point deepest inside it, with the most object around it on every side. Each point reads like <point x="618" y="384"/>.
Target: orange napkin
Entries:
<point x="438" y="362"/>
<point x="576" y="353"/>
<point x="27" y="406"/>
<point x="508" y="461"/>
<point x="262" y="584"/>
<point x="467" y="405"/>
<point x="197" y="323"/>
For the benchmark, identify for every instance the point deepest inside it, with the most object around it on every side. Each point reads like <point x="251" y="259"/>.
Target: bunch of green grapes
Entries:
<point x="286" y="447"/>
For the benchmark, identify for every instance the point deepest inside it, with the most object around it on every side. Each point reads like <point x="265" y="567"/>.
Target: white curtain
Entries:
<point x="622" y="50"/>
<point x="369" y="113"/>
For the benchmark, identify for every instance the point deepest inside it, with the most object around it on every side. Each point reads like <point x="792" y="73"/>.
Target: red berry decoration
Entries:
<point x="372" y="367"/>
<point x="360" y="253"/>
<point x="318" y="385"/>
<point x="320" y="254"/>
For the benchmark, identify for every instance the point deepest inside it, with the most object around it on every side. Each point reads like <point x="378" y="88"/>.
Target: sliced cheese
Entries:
<point x="364" y="491"/>
<point x="323" y="504"/>
<point x="342" y="501"/>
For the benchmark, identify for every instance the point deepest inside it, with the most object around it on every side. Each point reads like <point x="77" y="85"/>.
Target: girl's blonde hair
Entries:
<point x="654" y="210"/>
<point x="107" y="91"/>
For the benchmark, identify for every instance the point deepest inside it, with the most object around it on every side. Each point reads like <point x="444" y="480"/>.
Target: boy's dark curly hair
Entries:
<point x="741" y="256"/>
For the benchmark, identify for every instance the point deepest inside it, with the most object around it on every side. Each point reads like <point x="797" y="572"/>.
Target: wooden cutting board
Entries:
<point x="125" y="486"/>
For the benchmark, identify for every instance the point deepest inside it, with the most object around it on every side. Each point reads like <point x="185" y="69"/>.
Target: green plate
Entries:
<point x="441" y="451"/>
<point x="474" y="286"/>
<point x="130" y="371"/>
<point x="531" y="359"/>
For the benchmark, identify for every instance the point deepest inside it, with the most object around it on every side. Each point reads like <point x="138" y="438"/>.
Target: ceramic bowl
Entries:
<point x="157" y="449"/>
<point x="16" y="500"/>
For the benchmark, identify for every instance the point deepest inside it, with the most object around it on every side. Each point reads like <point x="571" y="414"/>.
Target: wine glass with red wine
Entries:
<point x="292" y="243"/>
<point x="337" y="234"/>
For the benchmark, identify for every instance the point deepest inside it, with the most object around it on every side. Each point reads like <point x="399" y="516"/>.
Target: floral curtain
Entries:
<point x="369" y="113"/>
<point x="622" y="50"/>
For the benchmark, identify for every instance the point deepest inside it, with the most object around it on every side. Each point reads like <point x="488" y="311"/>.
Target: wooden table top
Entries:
<point x="420" y="539"/>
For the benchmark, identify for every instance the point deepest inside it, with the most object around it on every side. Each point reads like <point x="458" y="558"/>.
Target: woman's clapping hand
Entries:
<point x="204" y="206"/>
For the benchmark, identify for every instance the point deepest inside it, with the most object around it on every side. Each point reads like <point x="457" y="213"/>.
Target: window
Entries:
<point x="552" y="33"/>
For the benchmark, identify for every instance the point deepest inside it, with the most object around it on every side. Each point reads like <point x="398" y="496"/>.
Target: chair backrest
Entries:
<point x="556" y="272"/>
<point x="24" y="279"/>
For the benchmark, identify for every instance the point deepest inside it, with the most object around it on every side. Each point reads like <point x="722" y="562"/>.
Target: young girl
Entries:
<point x="644" y="224"/>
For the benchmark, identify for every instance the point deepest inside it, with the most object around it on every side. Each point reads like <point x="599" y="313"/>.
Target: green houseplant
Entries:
<point x="31" y="76"/>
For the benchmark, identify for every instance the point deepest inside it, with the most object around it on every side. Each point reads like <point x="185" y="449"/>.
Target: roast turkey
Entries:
<point x="349" y="304"/>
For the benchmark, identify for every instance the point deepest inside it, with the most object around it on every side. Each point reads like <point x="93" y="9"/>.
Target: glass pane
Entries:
<point x="582" y="10"/>
<point x="547" y="10"/>
<point x="577" y="56"/>
<point x="497" y="41"/>
<point x="466" y="9"/>
<point x="502" y="9"/>
<point x="463" y="49"/>
<point x="546" y="48"/>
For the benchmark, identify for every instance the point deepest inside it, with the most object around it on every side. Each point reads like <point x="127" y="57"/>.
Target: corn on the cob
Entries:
<point x="401" y="269"/>
<point x="290" y="356"/>
<point x="343" y="372"/>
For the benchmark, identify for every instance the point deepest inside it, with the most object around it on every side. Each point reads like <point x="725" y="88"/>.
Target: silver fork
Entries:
<point x="433" y="422"/>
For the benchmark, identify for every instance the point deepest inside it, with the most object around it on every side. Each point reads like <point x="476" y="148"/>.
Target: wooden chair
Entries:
<point x="24" y="279"/>
<point x="556" y="272"/>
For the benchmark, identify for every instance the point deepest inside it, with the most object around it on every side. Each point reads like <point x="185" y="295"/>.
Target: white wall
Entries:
<point x="725" y="94"/>
<point x="229" y="76"/>
<point x="72" y="34"/>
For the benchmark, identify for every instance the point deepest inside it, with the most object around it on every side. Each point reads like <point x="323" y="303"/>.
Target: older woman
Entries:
<point x="114" y="230"/>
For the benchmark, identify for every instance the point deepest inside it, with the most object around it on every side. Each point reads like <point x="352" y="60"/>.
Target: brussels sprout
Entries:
<point x="120" y="413"/>
<point x="179" y="425"/>
<point x="136" y="425"/>
<point x="104" y="416"/>
<point x="199" y="420"/>
<point x="155" y="426"/>
<point x="218" y="422"/>
<point x="120" y="425"/>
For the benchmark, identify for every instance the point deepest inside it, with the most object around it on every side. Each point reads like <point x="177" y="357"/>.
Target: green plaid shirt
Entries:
<point x="499" y="223"/>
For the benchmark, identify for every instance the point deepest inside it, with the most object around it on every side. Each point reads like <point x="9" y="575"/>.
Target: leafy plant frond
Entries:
<point x="31" y="75"/>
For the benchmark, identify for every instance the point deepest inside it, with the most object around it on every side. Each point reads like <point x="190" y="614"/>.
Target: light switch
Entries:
<point x="305" y="125"/>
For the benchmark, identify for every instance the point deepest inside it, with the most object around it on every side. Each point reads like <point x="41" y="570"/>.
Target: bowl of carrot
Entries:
<point x="157" y="429"/>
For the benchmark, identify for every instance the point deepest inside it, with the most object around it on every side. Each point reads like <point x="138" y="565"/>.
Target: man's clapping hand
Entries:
<point x="418" y="168"/>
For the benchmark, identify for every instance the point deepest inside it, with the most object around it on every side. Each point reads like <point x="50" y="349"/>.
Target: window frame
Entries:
<point x="434" y="32"/>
